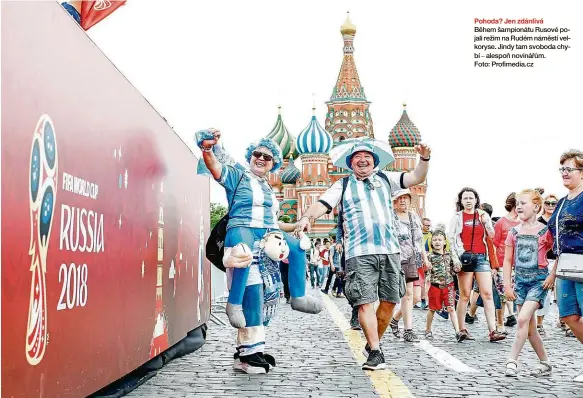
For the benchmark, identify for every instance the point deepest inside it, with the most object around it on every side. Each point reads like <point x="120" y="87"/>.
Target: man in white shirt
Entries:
<point x="371" y="247"/>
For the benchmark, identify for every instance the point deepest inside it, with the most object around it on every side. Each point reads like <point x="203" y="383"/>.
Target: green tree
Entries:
<point x="217" y="212"/>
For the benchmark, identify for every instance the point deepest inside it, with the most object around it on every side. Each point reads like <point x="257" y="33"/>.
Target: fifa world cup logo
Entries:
<point x="42" y="189"/>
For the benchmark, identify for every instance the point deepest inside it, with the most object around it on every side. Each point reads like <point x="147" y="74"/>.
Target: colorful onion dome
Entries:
<point x="283" y="138"/>
<point x="291" y="173"/>
<point x="405" y="133"/>
<point x="348" y="28"/>
<point x="314" y="139"/>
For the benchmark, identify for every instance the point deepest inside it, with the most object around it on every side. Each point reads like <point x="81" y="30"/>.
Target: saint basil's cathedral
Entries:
<point x="348" y="116"/>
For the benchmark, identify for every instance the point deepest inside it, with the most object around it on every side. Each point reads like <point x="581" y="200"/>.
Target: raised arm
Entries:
<point x="208" y="139"/>
<point x="418" y="175"/>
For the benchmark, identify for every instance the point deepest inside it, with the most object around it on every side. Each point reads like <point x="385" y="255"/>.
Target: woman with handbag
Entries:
<point x="566" y="225"/>
<point x="468" y="230"/>
<point x="253" y="212"/>
<point x="413" y="257"/>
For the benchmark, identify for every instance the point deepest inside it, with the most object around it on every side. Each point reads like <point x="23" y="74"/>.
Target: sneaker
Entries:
<point x="510" y="321"/>
<point x="395" y="328"/>
<point x="417" y="306"/>
<point x="340" y="295"/>
<point x="470" y="319"/>
<point x="429" y="335"/>
<point x="251" y="364"/>
<point x="287" y="301"/>
<point x="542" y="369"/>
<point x="424" y="306"/>
<point x="496" y="336"/>
<point x="375" y="361"/>
<point x="443" y="314"/>
<point x="410" y="337"/>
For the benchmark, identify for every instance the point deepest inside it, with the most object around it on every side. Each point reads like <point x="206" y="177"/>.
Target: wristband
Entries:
<point x="208" y="149"/>
<point x="425" y="159"/>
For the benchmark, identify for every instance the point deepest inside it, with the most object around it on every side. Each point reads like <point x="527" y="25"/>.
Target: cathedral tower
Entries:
<point x="348" y="113"/>
<point x="403" y="138"/>
<point x="313" y="145"/>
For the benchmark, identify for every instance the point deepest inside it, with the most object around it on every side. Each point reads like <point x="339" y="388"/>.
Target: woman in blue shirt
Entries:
<point x="253" y="213"/>
<point x="566" y="225"/>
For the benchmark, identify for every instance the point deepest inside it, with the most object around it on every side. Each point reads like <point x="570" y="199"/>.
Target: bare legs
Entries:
<point x="374" y="324"/>
<point x="465" y="280"/>
<point x="527" y="328"/>
<point x="406" y="311"/>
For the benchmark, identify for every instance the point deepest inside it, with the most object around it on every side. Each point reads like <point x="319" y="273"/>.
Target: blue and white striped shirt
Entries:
<point x="369" y="220"/>
<point x="254" y="205"/>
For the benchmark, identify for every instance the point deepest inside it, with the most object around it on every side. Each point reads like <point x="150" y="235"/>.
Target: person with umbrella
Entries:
<point x="371" y="245"/>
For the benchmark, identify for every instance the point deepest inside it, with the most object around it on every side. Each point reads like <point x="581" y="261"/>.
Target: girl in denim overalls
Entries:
<point x="527" y="245"/>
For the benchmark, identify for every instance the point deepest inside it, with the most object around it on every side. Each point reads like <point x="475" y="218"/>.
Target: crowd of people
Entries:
<point x="507" y="265"/>
<point x="385" y="255"/>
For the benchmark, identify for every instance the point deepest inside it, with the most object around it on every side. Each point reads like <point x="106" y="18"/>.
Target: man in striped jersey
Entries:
<point x="373" y="266"/>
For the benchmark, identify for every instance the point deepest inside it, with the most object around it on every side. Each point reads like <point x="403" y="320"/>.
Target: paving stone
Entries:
<point x="314" y="360"/>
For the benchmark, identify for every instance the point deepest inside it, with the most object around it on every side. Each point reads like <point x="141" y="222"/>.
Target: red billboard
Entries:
<point x="103" y="215"/>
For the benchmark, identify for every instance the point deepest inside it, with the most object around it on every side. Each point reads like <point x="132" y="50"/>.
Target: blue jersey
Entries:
<point x="254" y="204"/>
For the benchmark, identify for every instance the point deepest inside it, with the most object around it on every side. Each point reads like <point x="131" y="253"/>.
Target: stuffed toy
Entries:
<point x="252" y="260"/>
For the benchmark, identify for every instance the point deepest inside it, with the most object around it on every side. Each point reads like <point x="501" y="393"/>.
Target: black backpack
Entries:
<point x="215" y="245"/>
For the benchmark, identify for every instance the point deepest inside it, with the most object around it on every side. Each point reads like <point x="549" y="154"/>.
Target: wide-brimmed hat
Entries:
<point x="363" y="148"/>
<point x="400" y="193"/>
<point x="343" y="152"/>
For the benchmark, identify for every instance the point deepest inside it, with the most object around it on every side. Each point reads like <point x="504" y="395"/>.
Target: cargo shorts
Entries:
<point x="374" y="277"/>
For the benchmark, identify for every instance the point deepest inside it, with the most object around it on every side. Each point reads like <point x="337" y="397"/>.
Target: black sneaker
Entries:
<point x="254" y="363"/>
<point x="366" y="352"/>
<point x="510" y="321"/>
<point x="470" y="319"/>
<point x="375" y="361"/>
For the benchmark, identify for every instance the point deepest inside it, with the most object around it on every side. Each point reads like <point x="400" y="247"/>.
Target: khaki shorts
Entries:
<point x="374" y="277"/>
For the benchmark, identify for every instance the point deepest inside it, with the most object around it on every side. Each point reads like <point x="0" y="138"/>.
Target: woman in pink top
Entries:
<point x="526" y="247"/>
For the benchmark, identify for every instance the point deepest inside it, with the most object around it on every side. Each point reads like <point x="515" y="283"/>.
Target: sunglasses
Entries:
<point x="259" y="155"/>
<point x="550" y="203"/>
<point x="569" y="170"/>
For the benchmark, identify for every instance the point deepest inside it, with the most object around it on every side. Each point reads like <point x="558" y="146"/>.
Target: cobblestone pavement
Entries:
<point x="315" y="360"/>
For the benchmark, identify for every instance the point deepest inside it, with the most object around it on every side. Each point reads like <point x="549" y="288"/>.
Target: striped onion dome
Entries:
<point x="405" y="133"/>
<point x="314" y="139"/>
<point x="291" y="173"/>
<point x="283" y="138"/>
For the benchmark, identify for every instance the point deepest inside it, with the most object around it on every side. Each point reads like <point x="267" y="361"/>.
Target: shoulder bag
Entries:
<point x="215" y="245"/>
<point x="569" y="265"/>
<point x="468" y="259"/>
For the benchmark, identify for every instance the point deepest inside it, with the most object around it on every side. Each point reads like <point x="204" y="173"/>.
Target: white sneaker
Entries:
<point x="245" y="367"/>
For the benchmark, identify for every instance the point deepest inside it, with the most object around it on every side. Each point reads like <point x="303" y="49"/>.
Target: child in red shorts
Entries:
<point x="442" y="266"/>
